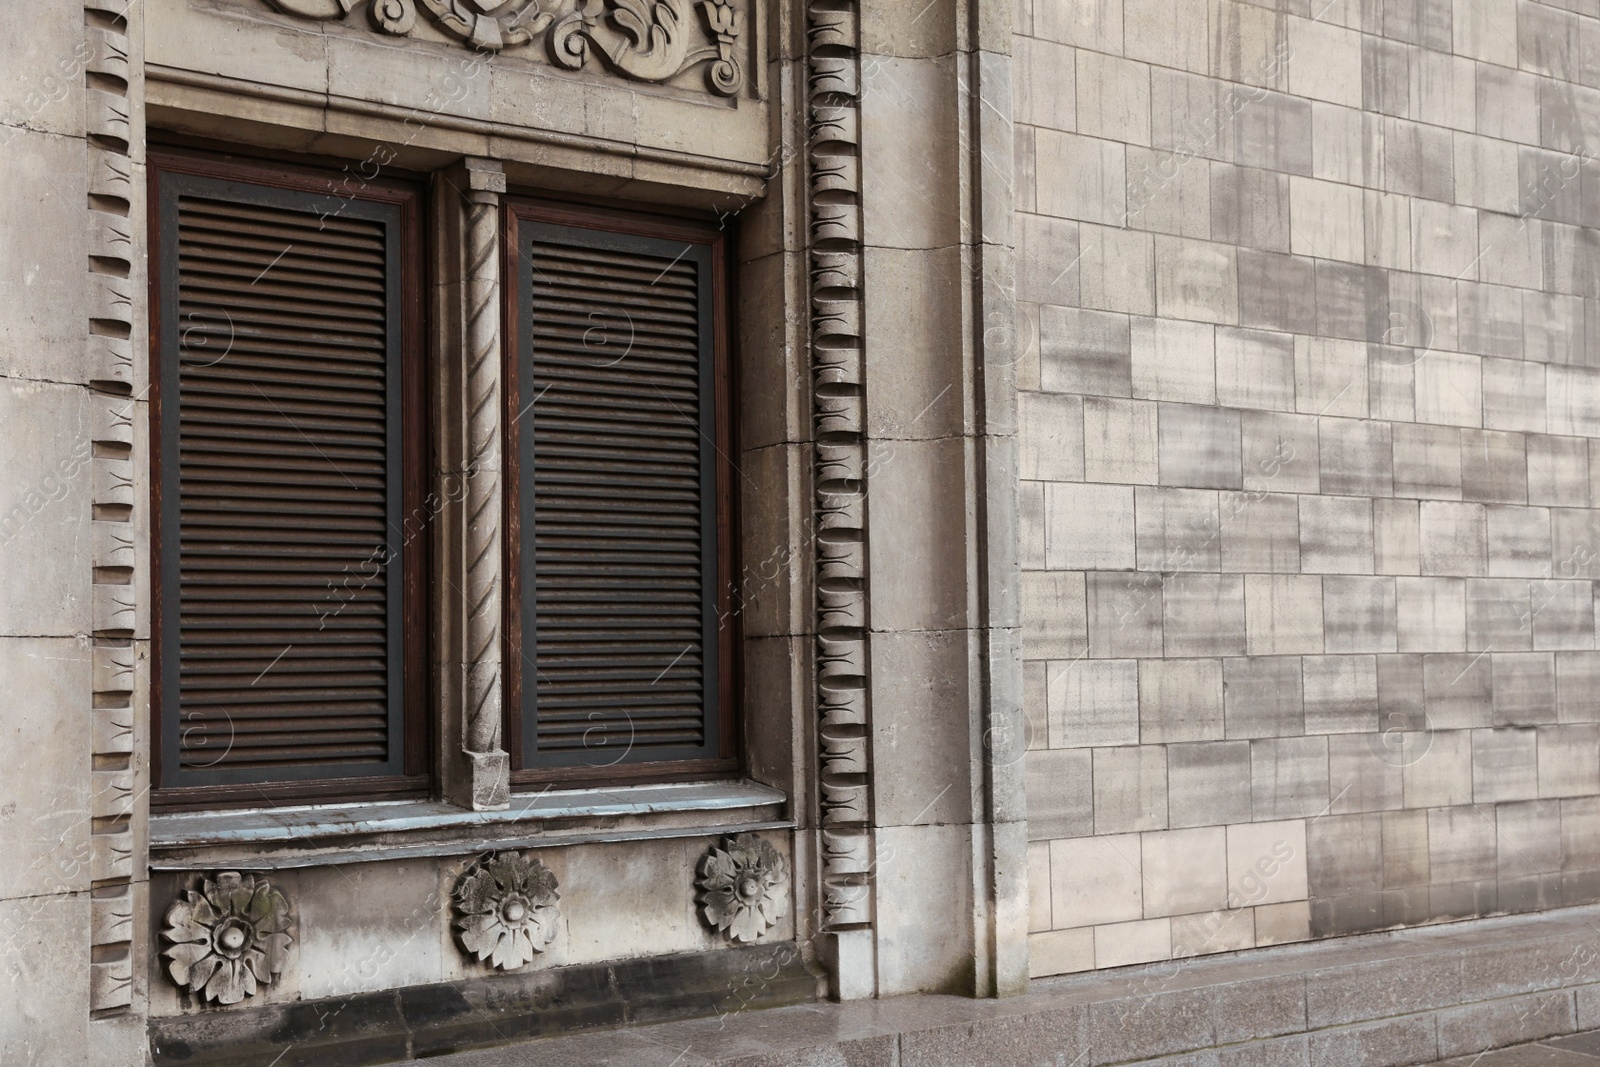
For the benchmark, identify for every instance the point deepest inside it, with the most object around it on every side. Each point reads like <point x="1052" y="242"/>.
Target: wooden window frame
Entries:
<point x="516" y="211"/>
<point x="416" y="732"/>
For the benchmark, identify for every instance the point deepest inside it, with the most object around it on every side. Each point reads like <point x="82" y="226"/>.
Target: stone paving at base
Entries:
<point x="1400" y="999"/>
<point x="1575" y="1050"/>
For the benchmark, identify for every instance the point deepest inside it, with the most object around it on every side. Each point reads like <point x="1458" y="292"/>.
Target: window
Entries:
<point x="290" y="454"/>
<point x="621" y="645"/>
<point x="288" y="448"/>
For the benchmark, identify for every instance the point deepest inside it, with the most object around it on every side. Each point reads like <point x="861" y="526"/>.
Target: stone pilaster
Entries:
<point x="929" y="415"/>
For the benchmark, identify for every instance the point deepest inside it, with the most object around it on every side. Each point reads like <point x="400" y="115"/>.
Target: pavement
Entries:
<point x="1575" y="1050"/>
<point x="1386" y="998"/>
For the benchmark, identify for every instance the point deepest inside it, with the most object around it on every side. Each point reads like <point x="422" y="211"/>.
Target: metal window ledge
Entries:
<point x="315" y="834"/>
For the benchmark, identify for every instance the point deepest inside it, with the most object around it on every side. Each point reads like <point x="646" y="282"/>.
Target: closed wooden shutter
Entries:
<point x="619" y="552"/>
<point x="280" y="402"/>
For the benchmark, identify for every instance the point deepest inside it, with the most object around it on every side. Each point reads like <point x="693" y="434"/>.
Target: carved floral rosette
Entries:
<point x="227" y="938"/>
<point x="506" y="910"/>
<point x="645" y="40"/>
<point x="742" y="887"/>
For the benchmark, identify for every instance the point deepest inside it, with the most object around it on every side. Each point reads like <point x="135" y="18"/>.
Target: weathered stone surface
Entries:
<point x="1042" y="1037"/>
<point x="369" y="927"/>
<point x="45" y="509"/>
<point x="919" y="696"/>
<point x="1287" y="1052"/>
<point x="1385" y="1044"/>
<point x="911" y="960"/>
<point x="1391" y="987"/>
<point x="45" y="808"/>
<point x="44" y="250"/>
<point x="1508" y="1022"/>
<point x="45" y="970"/>
<point x="1148" y="1026"/>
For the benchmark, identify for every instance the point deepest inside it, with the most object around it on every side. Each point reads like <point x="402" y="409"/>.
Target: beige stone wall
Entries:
<point x="1308" y="409"/>
<point x="72" y="632"/>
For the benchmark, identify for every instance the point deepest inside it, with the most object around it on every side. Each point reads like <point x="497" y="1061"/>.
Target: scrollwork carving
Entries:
<point x="394" y="16"/>
<point x="644" y="40"/>
<point x="724" y="76"/>
<point x="650" y="42"/>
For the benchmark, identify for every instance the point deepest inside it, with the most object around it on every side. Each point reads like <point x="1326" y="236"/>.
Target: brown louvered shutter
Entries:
<point x="618" y="499"/>
<point x="281" y="577"/>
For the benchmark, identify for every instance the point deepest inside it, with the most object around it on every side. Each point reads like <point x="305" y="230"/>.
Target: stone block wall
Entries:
<point x="1310" y="422"/>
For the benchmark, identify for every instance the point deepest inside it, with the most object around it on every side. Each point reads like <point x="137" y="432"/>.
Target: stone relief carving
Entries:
<point x="645" y="40"/>
<point x="488" y="24"/>
<point x="113" y="120"/>
<point x="506" y="909"/>
<point x="393" y="16"/>
<point x="743" y="890"/>
<point x="651" y="41"/>
<point x="837" y="368"/>
<point x="228" y="937"/>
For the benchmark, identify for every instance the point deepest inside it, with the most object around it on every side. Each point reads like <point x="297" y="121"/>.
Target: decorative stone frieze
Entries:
<point x="227" y="938"/>
<point x="837" y="366"/>
<point x="114" y="271"/>
<point x="506" y="911"/>
<point x="643" y="40"/>
<point x="743" y="887"/>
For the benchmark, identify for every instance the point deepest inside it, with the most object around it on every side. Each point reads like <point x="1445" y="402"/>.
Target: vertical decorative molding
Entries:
<point x="837" y="363"/>
<point x="470" y="194"/>
<point x="484" y="466"/>
<point x="113" y="271"/>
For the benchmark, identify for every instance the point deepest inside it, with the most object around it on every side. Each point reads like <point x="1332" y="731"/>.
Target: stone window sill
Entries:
<point x="314" y="834"/>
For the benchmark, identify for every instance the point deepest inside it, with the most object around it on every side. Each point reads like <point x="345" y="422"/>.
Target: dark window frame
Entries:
<point x="518" y="213"/>
<point x="169" y="169"/>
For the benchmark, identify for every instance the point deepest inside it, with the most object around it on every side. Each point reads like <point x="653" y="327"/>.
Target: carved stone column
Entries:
<point x="476" y="771"/>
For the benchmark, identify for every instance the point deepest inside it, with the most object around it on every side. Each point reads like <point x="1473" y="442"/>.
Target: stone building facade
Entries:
<point x="1139" y="476"/>
<point x="1306" y="474"/>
